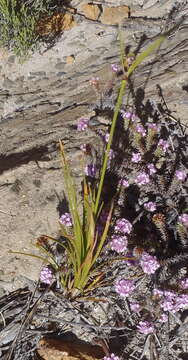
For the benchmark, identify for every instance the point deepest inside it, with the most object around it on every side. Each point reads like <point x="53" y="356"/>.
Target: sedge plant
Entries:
<point x="81" y="270"/>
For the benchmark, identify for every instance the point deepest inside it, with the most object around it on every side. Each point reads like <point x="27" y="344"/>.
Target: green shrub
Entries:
<point x="18" y="21"/>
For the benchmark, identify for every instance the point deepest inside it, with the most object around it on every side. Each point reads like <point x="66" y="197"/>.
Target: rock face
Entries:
<point x="42" y="98"/>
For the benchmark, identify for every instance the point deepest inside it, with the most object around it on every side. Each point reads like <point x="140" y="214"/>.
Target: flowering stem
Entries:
<point x="105" y="162"/>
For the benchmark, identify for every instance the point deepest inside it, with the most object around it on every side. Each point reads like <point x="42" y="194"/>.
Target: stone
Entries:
<point x="61" y="73"/>
<point x="37" y="73"/>
<point x="8" y="83"/>
<point x="114" y="15"/>
<point x="68" y="22"/>
<point x="60" y="65"/>
<point x="91" y="11"/>
<point x="11" y="59"/>
<point x="59" y="349"/>
<point x="70" y="59"/>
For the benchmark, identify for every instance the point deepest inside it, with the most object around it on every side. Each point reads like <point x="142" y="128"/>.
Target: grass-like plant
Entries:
<point x="81" y="270"/>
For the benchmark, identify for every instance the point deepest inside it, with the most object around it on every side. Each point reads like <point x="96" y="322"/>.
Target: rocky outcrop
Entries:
<point x="42" y="98"/>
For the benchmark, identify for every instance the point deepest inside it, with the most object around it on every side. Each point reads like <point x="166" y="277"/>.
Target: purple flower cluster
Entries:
<point x="124" y="183"/>
<point x="83" y="147"/>
<point x="90" y="170"/>
<point x="124" y="287"/>
<point x="171" y="301"/>
<point x="46" y="275"/>
<point x="140" y="129"/>
<point x="175" y="302"/>
<point x="128" y="115"/>
<point x="111" y="156"/>
<point x="148" y="263"/>
<point x="142" y="179"/>
<point x="82" y="124"/>
<point x="150" y="206"/>
<point x="115" y="68"/>
<point x="145" y="327"/>
<point x="181" y="175"/>
<point x="123" y="226"/>
<point x="183" y="219"/>
<point x="118" y="243"/>
<point x="136" y="157"/>
<point x="163" y="144"/>
<point x="135" y="307"/>
<point x="111" y="357"/>
<point x="106" y="137"/>
<point x="163" y="318"/>
<point x="153" y="126"/>
<point x="151" y="168"/>
<point x="66" y="220"/>
<point x="184" y="283"/>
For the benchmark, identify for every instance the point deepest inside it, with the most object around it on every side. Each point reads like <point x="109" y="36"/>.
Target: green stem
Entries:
<point x="104" y="167"/>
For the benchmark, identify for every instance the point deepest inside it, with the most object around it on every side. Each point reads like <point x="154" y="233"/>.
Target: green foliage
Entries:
<point x="84" y="244"/>
<point x="18" y="24"/>
<point x="80" y="272"/>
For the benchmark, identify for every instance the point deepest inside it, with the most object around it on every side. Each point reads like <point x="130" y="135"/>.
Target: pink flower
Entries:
<point x="124" y="287"/>
<point x="183" y="219"/>
<point x="46" y="275"/>
<point x="111" y="156"/>
<point x="184" y="283"/>
<point x="106" y="137"/>
<point x="163" y="144"/>
<point x="128" y="115"/>
<point x="181" y="302"/>
<point x="124" y="226"/>
<point x="136" y="157"/>
<point x="119" y="243"/>
<point x="152" y="169"/>
<point x="181" y="175"/>
<point x="158" y="292"/>
<point x="65" y="220"/>
<point x="142" y="179"/>
<point x="124" y="183"/>
<point x="163" y="318"/>
<point x="148" y="263"/>
<point x="82" y="124"/>
<point x="83" y="147"/>
<point x="140" y="129"/>
<point x="90" y="170"/>
<point x="153" y="126"/>
<point x="145" y="327"/>
<point x="135" y="307"/>
<point x="150" y="206"/>
<point x="173" y="302"/>
<point x="111" y="357"/>
<point x="115" y="68"/>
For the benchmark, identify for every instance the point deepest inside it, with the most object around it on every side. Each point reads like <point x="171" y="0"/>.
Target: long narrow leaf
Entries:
<point x="34" y="256"/>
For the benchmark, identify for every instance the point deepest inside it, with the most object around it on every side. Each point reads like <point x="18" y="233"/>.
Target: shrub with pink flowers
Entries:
<point x="123" y="239"/>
